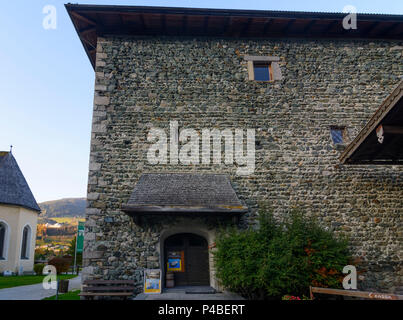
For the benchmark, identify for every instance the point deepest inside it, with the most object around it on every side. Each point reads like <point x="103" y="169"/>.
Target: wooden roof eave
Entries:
<point x="112" y="9"/>
<point x="373" y="123"/>
<point x="158" y="210"/>
<point x="249" y="22"/>
<point x="83" y="40"/>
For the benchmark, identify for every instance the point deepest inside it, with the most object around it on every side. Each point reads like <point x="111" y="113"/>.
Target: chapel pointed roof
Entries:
<point x="14" y="188"/>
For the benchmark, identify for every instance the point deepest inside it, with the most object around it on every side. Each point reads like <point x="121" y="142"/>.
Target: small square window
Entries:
<point x="262" y="71"/>
<point x="338" y="134"/>
<point x="263" y="68"/>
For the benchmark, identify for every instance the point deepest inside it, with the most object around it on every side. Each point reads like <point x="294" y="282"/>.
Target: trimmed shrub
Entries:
<point x="279" y="259"/>
<point x="38" y="268"/>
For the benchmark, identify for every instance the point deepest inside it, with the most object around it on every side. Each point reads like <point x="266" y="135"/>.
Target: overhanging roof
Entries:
<point x="161" y="193"/>
<point x="14" y="189"/>
<point x="386" y="147"/>
<point x="91" y="21"/>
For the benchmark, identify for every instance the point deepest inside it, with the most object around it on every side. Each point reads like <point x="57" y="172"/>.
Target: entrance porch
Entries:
<point x="188" y="209"/>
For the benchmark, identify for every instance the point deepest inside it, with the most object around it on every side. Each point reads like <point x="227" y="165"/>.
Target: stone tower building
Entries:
<point x="286" y="91"/>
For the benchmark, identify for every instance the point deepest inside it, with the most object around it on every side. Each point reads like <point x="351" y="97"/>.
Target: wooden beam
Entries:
<point x="288" y="26"/>
<point x="226" y="25"/>
<point x="375" y="162"/>
<point x="82" y="18"/>
<point x="185" y="24"/>
<point x="353" y="293"/>
<point x="163" y="19"/>
<point x="246" y="27"/>
<point x="267" y="25"/>
<point x="94" y="46"/>
<point x="308" y="26"/>
<point x="86" y="31"/>
<point x="393" y="129"/>
<point x="121" y="20"/>
<point x="390" y="28"/>
<point x="371" y="27"/>
<point x="381" y="130"/>
<point x="330" y="26"/>
<point x="205" y="24"/>
<point x="374" y="156"/>
<point x="99" y="21"/>
<point x="143" y="24"/>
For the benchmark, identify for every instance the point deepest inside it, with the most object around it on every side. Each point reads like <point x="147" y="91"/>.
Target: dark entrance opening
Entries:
<point x="195" y="259"/>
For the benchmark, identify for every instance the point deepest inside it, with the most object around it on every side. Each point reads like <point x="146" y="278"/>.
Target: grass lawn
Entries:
<point x="71" y="295"/>
<point x="15" y="281"/>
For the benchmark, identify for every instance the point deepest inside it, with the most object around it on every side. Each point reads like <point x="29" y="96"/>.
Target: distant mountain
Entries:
<point x="69" y="207"/>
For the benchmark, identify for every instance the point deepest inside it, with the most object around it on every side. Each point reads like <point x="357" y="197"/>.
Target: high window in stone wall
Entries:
<point x="263" y="68"/>
<point x="338" y="135"/>
<point x="262" y="71"/>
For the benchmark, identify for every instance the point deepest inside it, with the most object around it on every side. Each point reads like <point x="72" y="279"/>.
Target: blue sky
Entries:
<point x="47" y="82"/>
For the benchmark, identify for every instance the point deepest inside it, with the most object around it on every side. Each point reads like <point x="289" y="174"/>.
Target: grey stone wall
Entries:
<point x="202" y="83"/>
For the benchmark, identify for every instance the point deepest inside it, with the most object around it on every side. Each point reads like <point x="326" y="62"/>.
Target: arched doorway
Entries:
<point x="192" y="249"/>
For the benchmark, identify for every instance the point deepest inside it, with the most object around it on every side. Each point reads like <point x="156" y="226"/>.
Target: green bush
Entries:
<point x="38" y="268"/>
<point x="280" y="258"/>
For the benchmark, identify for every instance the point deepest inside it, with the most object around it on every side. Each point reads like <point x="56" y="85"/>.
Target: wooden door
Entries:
<point x="196" y="263"/>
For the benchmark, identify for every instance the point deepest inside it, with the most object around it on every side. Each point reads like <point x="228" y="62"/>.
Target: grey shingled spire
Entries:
<point x="14" y="188"/>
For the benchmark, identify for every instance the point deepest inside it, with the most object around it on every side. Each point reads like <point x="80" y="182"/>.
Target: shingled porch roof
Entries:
<point x="14" y="189"/>
<point x="160" y="193"/>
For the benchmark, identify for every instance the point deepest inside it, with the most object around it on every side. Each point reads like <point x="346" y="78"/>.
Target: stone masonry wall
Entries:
<point x="202" y="83"/>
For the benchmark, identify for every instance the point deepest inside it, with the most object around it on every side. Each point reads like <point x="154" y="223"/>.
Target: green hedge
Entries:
<point x="38" y="268"/>
<point x="280" y="258"/>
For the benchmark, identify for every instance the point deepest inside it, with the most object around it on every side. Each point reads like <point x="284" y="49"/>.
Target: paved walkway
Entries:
<point x="35" y="291"/>
<point x="189" y="293"/>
